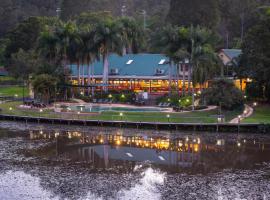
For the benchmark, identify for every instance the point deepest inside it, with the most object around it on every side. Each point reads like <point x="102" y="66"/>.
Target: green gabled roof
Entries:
<point x="141" y="65"/>
<point x="232" y="53"/>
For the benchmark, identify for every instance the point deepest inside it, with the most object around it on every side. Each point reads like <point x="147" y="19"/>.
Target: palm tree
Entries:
<point x="168" y="39"/>
<point x="131" y="33"/>
<point x="108" y="39"/>
<point x="48" y="45"/>
<point x="65" y="32"/>
<point x="202" y="56"/>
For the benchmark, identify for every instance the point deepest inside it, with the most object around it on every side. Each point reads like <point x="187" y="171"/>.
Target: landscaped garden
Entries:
<point x="12" y="108"/>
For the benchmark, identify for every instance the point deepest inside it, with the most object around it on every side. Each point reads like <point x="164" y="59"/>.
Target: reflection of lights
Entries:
<point x="129" y="155"/>
<point x="118" y="142"/>
<point x="196" y="149"/>
<point x="161" y="158"/>
<point x="220" y="142"/>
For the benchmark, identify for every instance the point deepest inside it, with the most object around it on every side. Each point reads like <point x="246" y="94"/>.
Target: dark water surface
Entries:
<point x="54" y="162"/>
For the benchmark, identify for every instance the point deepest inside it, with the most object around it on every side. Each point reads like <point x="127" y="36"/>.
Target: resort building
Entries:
<point x="138" y="72"/>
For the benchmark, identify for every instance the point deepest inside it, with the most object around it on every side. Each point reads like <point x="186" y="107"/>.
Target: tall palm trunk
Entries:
<point x="82" y="77"/>
<point x="88" y="76"/>
<point x="170" y="79"/>
<point x="79" y="74"/>
<point x="189" y="79"/>
<point x="105" y="72"/>
<point x="184" y="81"/>
<point x="177" y="74"/>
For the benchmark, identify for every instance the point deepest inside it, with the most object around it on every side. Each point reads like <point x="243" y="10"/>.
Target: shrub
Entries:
<point x="224" y="93"/>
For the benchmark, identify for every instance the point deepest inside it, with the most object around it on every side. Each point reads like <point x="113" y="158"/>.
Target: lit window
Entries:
<point x="161" y="62"/>
<point x="129" y="62"/>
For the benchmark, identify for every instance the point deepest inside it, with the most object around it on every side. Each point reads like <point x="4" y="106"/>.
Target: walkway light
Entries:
<point x="110" y="96"/>
<point x="10" y="108"/>
<point x="121" y="114"/>
<point x="122" y="96"/>
<point x="169" y="99"/>
<point x="41" y="110"/>
<point x="245" y="97"/>
<point x="255" y="104"/>
<point x="238" y="144"/>
<point x="16" y="95"/>
<point x="168" y="117"/>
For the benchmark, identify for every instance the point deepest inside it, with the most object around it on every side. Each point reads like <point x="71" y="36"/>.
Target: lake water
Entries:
<point x="54" y="162"/>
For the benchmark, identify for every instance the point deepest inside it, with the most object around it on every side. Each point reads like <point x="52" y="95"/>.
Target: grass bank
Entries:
<point x="11" y="91"/>
<point x="190" y="117"/>
<point x="261" y="115"/>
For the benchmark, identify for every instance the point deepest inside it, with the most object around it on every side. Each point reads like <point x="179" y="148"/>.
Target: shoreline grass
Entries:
<point x="189" y="117"/>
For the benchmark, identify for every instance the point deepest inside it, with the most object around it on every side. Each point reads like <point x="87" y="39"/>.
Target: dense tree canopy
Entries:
<point x="256" y="55"/>
<point x="194" y="12"/>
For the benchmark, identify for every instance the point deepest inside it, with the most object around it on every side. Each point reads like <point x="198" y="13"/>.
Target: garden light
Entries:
<point x="255" y="104"/>
<point x="121" y="114"/>
<point x="10" y="108"/>
<point x="110" y="96"/>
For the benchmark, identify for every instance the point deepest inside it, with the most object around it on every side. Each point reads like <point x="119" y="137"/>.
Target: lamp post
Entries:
<point x="144" y="19"/>
<point x="168" y="117"/>
<point x="40" y="111"/>
<point x="121" y="116"/>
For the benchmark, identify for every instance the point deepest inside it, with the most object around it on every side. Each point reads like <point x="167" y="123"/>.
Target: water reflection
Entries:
<point x="171" y="153"/>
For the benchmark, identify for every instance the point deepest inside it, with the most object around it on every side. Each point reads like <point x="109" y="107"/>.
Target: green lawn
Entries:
<point x="13" y="90"/>
<point x="261" y="115"/>
<point x="191" y="117"/>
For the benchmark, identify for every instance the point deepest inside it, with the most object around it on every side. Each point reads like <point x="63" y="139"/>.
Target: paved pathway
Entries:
<point x="248" y="111"/>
